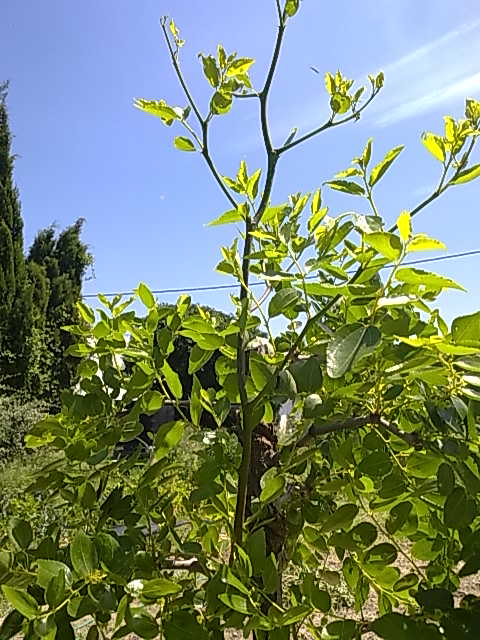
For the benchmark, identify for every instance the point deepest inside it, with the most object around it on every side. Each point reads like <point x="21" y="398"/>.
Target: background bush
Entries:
<point x="18" y="414"/>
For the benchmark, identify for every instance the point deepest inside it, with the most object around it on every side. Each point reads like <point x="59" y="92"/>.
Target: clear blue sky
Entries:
<point x="83" y="150"/>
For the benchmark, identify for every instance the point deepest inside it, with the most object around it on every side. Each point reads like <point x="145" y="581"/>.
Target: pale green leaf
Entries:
<point x="404" y="225"/>
<point x="347" y="186"/>
<point x="431" y="281"/>
<point x="381" y="168"/>
<point x="466" y="175"/>
<point x="435" y="145"/>
<point x="388" y="244"/>
<point x="229" y="217"/>
<point x="184" y="144"/>
<point x="145" y="295"/>
<point x="239" y="66"/>
<point x="422" y="242"/>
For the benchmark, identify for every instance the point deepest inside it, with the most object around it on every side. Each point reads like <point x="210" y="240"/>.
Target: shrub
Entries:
<point x="18" y="414"/>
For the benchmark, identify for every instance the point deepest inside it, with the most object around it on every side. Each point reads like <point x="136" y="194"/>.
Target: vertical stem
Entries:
<point x="242" y="358"/>
<point x="243" y="476"/>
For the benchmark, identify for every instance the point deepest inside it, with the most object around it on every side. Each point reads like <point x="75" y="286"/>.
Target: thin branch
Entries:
<point x="183" y="564"/>
<point x="203" y="122"/>
<point x="179" y="73"/>
<point x="212" y="167"/>
<point x="245" y="95"/>
<point x="279" y="11"/>
<point x="347" y="424"/>
<point x="413" y="439"/>
<point x="268" y="83"/>
<point x="328" y="125"/>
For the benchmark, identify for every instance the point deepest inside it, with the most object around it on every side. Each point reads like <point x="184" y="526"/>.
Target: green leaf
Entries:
<point x="152" y="401"/>
<point x="252" y="184"/>
<point x="239" y="66"/>
<point x="376" y="465"/>
<point x="394" y="626"/>
<point x="319" y="598"/>
<point x="342" y="629"/>
<point x="273" y="486"/>
<point x="55" y="592"/>
<point x="167" y="437"/>
<point x="231" y="579"/>
<point x="158" y="108"/>
<point x="466" y="175"/>
<point x="236" y="602"/>
<point x="466" y="330"/>
<point x="282" y="300"/>
<point x="146" y="296"/>
<point x="83" y="554"/>
<point x="381" y="168"/>
<point x="210" y="70"/>
<point x="432" y="599"/>
<point x="86" y="312"/>
<point x="173" y="380"/>
<point x="349" y="344"/>
<point x="469" y="363"/>
<point x="291" y="7"/>
<point x="307" y="373"/>
<point x="183" y="624"/>
<point x="257" y="550"/>
<point x="159" y="588"/>
<point x="388" y="244"/>
<point x="220" y="103"/>
<point x="20" y="533"/>
<point x="347" y="186"/>
<point x="324" y="289"/>
<point x="48" y="569"/>
<point x="367" y="153"/>
<point x="435" y="145"/>
<point x="198" y="357"/>
<point x="407" y="581"/>
<point x="381" y="554"/>
<point x="21" y="601"/>
<point x="229" y="217"/>
<point x="294" y="615"/>
<point x="445" y="479"/>
<point x="143" y="625"/>
<point x="329" y="83"/>
<point x="423" y="465"/>
<point x="341" y="518"/>
<point x="422" y="242"/>
<point x="458" y="511"/>
<point x="184" y="144"/>
<point x="426" y="278"/>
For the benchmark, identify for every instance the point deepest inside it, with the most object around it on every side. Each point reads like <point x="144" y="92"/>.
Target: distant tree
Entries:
<point x="15" y="291"/>
<point x="57" y="266"/>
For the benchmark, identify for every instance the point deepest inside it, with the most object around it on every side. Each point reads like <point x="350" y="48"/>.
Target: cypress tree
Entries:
<point x="15" y="292"/>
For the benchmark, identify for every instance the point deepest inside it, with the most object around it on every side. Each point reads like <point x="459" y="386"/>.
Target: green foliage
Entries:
<point x="18" y="414"/>
<point x="380" y="460"/>
<point x="56" y="265"/>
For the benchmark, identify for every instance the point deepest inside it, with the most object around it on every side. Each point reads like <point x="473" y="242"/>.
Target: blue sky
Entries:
<point x="84" y="151"/>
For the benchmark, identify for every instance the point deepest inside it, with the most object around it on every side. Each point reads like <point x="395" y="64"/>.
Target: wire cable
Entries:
<point x="218" y="287"/>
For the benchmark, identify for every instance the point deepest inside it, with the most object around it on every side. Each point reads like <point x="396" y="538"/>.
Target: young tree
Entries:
<point x="15" y="292"/>
<point x="382" y="458"/>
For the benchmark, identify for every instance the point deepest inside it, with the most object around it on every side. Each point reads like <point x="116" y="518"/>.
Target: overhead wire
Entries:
<point x="217" y="287"/>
